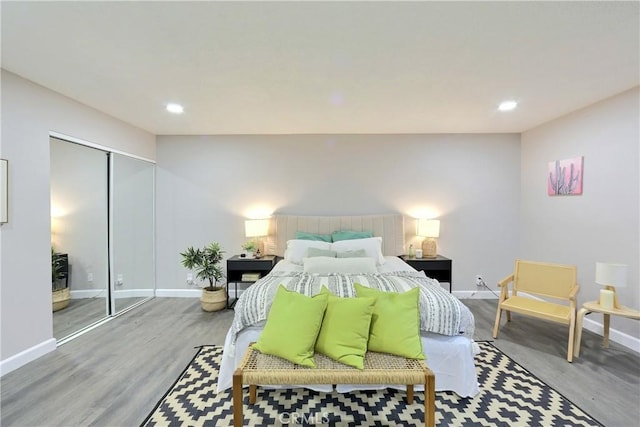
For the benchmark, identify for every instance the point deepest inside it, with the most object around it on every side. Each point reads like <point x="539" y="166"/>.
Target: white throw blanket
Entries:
<point x="440" y="312"/>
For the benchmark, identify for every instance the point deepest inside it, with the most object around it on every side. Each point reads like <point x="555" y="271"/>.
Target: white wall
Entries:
<point x="29" y="113"/>
<point x="602" y="224"/>
<point x="207" y="185"/>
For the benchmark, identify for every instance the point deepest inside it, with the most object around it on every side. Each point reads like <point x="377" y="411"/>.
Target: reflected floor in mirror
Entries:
<point x="77" y="315"/>
<point x="83" y="312"/>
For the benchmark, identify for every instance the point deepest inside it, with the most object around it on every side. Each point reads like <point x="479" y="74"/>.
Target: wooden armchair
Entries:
<point x="541" y="280"/>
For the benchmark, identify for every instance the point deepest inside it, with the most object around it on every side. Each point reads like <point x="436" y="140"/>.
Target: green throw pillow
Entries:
<point x="345" y="329"/>
<point x="336" y="236"/>
<point x="395" y="324"/>
<point x="292" y="326"/>
<point x="303" y="235"/>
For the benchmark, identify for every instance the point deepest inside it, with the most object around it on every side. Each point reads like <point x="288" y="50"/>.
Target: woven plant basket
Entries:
<point x="61" y="298"/>
<point x="213" y="300"/>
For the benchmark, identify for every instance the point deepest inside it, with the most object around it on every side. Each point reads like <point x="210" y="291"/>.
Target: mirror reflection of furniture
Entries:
<point x="610" y="275"/>
<point x="61" y="296"/>
<point x="257" y="228"/>
<point x="429" y="229"/>
<point x="543" y="280"/>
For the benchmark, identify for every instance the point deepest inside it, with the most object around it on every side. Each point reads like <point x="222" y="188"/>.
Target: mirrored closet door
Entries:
<point x="102" y="234"/>
<point x="79" y="236"/>
<point x="132" y="266"/>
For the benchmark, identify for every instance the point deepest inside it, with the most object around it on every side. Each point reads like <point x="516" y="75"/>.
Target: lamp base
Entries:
<point x="609" y="302"/>
<point x="429" y="248"/>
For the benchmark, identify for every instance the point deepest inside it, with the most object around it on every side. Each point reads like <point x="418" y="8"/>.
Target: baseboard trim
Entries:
<point x="119" y="293"/>
<point x="474" y="295"/>
<point x="14" y="362"/>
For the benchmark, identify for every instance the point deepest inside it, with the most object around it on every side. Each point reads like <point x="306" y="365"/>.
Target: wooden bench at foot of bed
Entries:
<point x="379" y="368"/>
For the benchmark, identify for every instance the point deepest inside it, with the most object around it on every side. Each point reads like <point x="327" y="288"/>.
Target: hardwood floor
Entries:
<point x="83" y="312"/>
<point x="115" y="374"/>
<point x="79" y="314"/>
<point x="604" y="382"/>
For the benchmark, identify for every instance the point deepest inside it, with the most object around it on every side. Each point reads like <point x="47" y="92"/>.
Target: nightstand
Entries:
<point x="438" y="268"/>
<point x="238" y="266"/>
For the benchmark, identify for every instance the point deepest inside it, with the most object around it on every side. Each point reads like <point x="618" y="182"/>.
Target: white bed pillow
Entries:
<point x="359" y="253"/>
<point x="326" y="265"/>
<point x="372" y="246"/>
<point x="297" y="249"/>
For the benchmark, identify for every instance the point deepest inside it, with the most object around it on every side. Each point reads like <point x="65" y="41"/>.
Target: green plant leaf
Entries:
<point x="205" y="262"/>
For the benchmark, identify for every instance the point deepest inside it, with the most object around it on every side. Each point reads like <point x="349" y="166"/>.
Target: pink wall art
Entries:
<point x="565" y="177"/>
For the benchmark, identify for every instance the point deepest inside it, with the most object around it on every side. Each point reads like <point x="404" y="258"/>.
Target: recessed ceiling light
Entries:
<point x="175" y="108"/>
<point x="507" y="105"/>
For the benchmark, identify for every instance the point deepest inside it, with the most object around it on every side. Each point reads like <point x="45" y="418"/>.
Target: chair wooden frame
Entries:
<point x="544" y="280"/>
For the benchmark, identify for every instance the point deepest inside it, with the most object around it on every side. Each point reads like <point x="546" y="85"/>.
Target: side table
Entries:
<point x="238" y="266"/>
<point x="438" y="268"/>
<point x="595" y="307"/>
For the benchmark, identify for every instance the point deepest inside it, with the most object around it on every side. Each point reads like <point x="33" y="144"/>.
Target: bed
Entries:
<point x="447" y="325"/>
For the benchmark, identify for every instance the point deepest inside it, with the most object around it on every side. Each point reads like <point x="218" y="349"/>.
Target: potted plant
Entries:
<point x="250" y="247"/>
<point x="205" y="263"/>
<point x="61" y="296"/>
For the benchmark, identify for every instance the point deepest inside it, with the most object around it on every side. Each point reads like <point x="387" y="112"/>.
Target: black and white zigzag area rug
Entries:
<point x="509" y="396"/>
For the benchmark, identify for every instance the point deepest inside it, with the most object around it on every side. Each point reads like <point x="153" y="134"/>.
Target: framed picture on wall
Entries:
<point x="565" y="177"/>
<point x="4" y="199"/>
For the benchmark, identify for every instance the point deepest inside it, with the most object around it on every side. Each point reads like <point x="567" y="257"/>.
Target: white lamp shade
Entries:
<point x="611" y="274"/>
<point x="256" y="227"/>
<point x="428" y="227"/>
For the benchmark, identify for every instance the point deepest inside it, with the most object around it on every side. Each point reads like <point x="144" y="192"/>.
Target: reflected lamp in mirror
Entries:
<point x="257" y="228"/>
<point x="610" y="275"/>
<point x="429" y="229"/>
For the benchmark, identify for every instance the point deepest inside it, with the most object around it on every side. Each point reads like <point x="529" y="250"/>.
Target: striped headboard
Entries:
<point x="390" y="227"/>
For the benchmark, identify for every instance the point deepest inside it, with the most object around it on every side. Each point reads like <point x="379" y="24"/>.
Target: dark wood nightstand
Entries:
<point x="238" y="266"/>
<point x="438" y="268"/>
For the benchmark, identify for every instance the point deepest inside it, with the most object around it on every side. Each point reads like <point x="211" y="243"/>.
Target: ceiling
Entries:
<point x="326" y="67"/>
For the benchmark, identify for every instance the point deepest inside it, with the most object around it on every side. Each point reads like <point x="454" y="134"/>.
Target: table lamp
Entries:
<point x="257" y="228"/>
<point x="610" y="275"/>
<point x="429" y="229"/>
